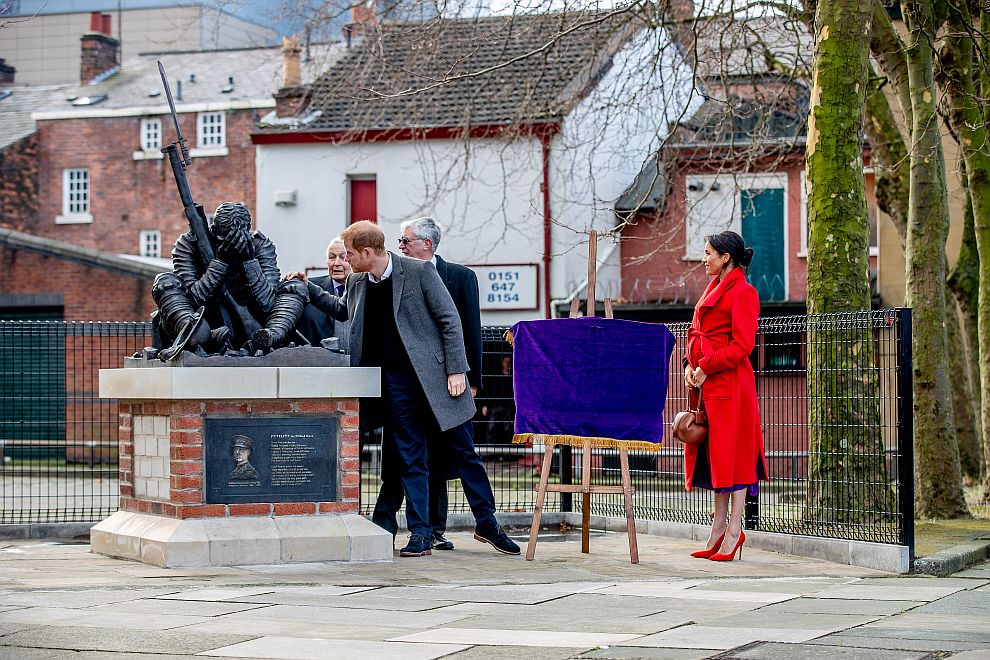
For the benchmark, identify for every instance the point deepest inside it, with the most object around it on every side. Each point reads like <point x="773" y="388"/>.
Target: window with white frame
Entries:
<point x="150" y="243"/>
<point x="75" y="191"/>
<point x="151" y="134"/>
<point x="210" y="130"/>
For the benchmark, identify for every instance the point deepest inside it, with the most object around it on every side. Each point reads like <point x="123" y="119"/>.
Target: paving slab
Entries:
<point x="504" y="637"/>
<point x="520" y="594"/>
<point x="347" y="616"/>
<point x="366" y="599"/>
<point x="709" y="636"/>
<point x="513" y="653"/>
<point x="688" y="592"/>
<point x="157" y="606"/>
<point x="310" y="628"/>
<point x="643" y="653"/>
<point x="889" y="592"/>
<point x="982" y="654"/>
<point x="24" y="653"/>
<point x="927" y="621"/>
<point x="877" y="631"/>
<point x="976" y="603"/>
<point x="842" y="606"/>
<point x="216" y="595"/>
<point x="8" y="628"/>
<point x="790" y="620"/>
<point x="944" y="646"/>
<point x="783" y="651"/>
<point x="293" y="648"/>
<point x="104" y="639"/>
<point x="80" y="598"/>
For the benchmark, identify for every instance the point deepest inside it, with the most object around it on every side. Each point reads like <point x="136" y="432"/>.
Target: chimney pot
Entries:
<point x="6" y="73"/>
<point x="95" y="21"/>
<point x="107" y="24"/>
<point x="291" y="68"/>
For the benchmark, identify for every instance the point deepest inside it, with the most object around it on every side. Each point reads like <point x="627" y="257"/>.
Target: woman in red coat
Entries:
<point x="722" y="335"/>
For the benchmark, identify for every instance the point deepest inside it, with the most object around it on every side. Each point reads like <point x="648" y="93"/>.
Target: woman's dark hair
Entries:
<point x="731" y="243"/>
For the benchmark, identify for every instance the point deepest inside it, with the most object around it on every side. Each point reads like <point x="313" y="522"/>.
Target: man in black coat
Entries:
<point x="420" y="239"/>
<point x="315" y="324"/>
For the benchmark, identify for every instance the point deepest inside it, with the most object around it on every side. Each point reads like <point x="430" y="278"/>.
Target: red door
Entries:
<point x="364" y="200"/>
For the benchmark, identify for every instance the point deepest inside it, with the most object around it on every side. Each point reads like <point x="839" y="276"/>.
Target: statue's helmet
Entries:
<point x="230" y="216"/>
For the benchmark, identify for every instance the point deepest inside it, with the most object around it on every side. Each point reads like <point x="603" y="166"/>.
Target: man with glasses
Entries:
<point x="420" y="239"/>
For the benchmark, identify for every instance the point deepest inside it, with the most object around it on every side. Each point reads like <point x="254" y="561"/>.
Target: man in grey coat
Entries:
<point x="404" y="321"/>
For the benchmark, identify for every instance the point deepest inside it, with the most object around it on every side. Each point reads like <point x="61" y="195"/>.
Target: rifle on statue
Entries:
<point x="236" y="316"/>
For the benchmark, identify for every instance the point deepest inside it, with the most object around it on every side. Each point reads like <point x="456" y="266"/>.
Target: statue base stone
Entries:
<point x="184" y="500"/>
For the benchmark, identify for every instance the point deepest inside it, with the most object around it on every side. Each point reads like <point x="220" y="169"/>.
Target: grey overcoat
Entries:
<point x="428" y="324"/>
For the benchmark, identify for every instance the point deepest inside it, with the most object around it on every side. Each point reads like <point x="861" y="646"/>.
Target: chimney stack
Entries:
<point x="6" y="73"/>
<point x="363" y="19"/>
<point x="99" y="49"/>
<point x="291" y="99"/>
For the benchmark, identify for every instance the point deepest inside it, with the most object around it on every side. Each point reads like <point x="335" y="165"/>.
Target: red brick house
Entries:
<point x="735" y="163"/>
<point x="84" y="166"/>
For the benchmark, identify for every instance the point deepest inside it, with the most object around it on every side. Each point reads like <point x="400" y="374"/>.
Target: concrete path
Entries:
<point x="60" y="601"/>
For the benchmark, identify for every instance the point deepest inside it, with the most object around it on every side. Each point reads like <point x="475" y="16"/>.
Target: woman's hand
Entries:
<point x="699" y="377"/>
<point x="689" y="377"/>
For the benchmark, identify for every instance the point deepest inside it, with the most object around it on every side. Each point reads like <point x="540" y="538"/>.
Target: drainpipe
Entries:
<point x="545" y="138"/>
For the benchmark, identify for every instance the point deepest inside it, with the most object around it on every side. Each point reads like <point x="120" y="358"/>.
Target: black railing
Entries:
<point x="59" y="438"/>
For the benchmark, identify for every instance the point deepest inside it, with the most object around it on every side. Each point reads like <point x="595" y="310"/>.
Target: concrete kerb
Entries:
<point x="954" y="559"/>
<point x="45" y="530"/>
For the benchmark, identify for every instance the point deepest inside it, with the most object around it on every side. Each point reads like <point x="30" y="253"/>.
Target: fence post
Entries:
<point x="905" y="430"/>
<point x="751" y="519"/>
<point x="566" y="476"/>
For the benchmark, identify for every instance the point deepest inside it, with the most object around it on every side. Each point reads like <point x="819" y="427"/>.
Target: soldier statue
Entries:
<point x="235" y="301"/>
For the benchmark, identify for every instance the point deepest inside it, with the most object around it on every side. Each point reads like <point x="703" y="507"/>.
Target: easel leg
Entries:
<point x="541" y="496"/>
<point x="586" y="497"/>
<point x="630" y="516"/>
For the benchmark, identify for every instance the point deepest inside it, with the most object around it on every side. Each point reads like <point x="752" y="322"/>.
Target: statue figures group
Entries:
<point x="235" y="303"/>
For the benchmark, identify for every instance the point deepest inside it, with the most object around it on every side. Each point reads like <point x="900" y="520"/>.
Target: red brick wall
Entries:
<point x="652" y="249"/>
<point x="127" y="195"/>
<point x="90" y="294"/>
<point x="187" y="425"/>
<point x="19" y="183"/>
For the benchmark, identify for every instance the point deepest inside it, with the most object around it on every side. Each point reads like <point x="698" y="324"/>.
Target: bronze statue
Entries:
<point x="246" y="305"/>
<point x="225" y="291"/>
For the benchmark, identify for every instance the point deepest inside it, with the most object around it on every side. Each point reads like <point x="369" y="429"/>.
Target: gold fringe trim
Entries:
<point x="509" y="338"/>
<point x="579" y="440"/>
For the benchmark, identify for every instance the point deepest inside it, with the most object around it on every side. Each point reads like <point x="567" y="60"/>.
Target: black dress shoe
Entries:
<point x="441" y="543"/>
<point x="417" y="547"/>
<point x="495" y="535"/>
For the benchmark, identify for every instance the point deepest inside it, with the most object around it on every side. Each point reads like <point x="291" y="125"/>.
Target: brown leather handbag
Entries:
<point x="691" y="426"/>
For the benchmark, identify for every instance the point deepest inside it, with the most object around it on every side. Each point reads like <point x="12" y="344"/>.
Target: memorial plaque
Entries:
<point x="274" y="459"/>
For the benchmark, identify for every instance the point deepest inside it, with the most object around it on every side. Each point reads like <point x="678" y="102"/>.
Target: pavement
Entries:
<point x="58" y="600"/>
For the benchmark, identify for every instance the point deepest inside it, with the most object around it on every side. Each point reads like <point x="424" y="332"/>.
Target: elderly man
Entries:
<point x="316" y="325"/>
<point x="404" y="321"/>
<point x="420" y="239"/>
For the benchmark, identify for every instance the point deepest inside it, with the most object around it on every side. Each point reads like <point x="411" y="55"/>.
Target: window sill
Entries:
<point x="208" y="151"/>
<point x="74" y="219"/>
<point x="147" y="155"/>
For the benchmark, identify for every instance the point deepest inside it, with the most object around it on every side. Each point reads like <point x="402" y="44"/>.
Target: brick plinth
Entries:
<point x="162" y="447"/>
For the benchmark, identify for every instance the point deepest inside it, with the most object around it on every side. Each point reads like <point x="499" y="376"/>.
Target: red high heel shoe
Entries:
<point x="706" y="554"/>
<point x="731" y="555"/>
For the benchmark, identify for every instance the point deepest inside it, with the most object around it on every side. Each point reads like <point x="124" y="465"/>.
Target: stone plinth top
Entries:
<point x="240" y="383"/>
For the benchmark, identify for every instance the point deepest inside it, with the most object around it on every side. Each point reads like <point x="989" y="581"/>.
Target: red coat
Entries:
<point x="722" y="335"/>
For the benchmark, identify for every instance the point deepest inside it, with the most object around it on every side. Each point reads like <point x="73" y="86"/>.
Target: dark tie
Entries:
<point x="338" y="290"/>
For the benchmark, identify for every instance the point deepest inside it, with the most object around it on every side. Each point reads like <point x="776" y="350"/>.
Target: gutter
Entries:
<point x="77" y="254"/>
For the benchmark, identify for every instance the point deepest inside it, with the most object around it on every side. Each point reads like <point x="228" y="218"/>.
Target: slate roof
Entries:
<point x="369" y="88"/>
<point x="16" y="109"/>
<point x="753" y="75"/>
<point x="257" y="74"/>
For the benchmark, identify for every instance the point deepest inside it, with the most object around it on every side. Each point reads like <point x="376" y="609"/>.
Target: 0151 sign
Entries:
<point x="507" y="286"/>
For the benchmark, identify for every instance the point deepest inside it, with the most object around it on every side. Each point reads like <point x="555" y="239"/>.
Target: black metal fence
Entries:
<point x="59" y="438"/>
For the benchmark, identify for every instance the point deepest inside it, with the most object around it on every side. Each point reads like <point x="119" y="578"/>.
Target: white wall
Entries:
<point x="603" y="145"/>
<point x="491" y="208"/>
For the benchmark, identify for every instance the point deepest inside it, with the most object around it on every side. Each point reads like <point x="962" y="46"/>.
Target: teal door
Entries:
<point x="763" y="230"/>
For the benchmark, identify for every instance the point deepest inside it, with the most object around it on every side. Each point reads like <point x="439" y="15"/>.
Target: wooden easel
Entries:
<point x="586" y="488"/>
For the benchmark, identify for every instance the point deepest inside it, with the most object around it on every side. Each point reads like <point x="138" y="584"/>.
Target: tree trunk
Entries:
<point x="847" y="478"/>
<point x="889" y="158"/>
<point x="938" y="477"/>
<point x="970" y="451"/>
<point x="964" y="76"/>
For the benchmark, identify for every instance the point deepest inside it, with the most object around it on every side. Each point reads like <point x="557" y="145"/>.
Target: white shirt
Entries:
<point x="386" y="274"/>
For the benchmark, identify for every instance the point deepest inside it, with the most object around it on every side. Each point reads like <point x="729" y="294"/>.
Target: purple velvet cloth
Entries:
<point x="591" y="377"/>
